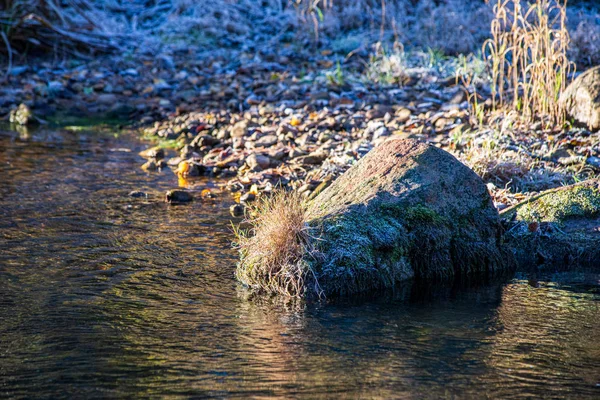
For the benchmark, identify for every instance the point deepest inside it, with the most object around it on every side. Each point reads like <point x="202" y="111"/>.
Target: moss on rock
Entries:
<point x="575" y="202"/>
<point x="558" y="228"/>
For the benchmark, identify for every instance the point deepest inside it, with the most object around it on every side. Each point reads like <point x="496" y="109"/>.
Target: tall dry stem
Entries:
<point x="527" y="54"/>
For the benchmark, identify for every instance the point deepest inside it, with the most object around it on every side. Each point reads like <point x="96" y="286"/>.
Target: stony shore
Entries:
<point x="298" y="118"/>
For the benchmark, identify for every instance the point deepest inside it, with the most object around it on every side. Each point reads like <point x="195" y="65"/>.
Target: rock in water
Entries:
<point x="178" y="196"/>
<point x="581" y="99"/>
<point x="407" y="209"/>
<point x="22" y="115"/>
<point x="558" y="228"/>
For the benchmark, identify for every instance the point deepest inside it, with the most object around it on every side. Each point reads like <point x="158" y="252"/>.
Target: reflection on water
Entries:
<point x="102" y="295"/>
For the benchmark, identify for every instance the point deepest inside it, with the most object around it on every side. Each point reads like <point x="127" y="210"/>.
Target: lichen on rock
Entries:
<point x="406" y="210"/>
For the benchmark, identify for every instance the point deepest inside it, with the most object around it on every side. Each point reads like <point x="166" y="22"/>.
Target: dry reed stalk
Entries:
<point x="528" y="58"/>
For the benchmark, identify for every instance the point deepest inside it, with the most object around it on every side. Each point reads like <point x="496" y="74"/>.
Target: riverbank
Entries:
<point x="298" y="118"/>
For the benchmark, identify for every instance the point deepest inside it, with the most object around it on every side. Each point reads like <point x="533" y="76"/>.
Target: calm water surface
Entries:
<point x="106" y="296"/>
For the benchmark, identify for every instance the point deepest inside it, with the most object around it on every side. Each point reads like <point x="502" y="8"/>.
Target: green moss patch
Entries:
<point x="558" y="206"/>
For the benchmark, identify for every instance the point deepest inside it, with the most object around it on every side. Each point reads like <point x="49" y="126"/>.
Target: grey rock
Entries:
<point x="266" y="141"/>
<point x="258" y="162"/>
<point x="581" y="99"/>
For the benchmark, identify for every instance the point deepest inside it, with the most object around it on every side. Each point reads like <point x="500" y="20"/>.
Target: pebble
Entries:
<point x="247" y="197"/>
<point x="237" y="210"/>
<point x="257" y="162"/>
<point x="137" y="194"/>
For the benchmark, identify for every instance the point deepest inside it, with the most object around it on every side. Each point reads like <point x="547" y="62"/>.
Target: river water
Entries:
<point x="107" y="296"/>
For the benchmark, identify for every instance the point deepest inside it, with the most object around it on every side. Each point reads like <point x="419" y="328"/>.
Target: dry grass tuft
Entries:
<point x="528" y="57"/>
<point x="275" y="251"/>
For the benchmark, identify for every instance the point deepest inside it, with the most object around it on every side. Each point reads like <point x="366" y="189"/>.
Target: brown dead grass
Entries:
<point x="274" y="252"/>
<point x="528" y="57"/>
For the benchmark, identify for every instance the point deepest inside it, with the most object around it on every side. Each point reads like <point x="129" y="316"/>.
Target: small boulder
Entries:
<point x="581" y="99"/>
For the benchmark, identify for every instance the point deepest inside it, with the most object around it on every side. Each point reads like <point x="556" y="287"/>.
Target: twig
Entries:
<point x="9" y="49"/>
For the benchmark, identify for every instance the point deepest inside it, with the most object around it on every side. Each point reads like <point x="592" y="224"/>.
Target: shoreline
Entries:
<point x="299" y="119"/>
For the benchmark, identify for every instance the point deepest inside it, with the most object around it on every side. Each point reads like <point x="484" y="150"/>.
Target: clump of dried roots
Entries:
<point x="277" y="250"/>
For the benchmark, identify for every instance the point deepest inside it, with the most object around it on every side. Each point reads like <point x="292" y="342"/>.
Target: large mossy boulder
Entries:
<point x="581" y="99"/>
<point x="559" y="228"/>
<point x="406" y="210"/>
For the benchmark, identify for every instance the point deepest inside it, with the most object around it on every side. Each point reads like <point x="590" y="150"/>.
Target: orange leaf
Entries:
<point x="183" y="168"/>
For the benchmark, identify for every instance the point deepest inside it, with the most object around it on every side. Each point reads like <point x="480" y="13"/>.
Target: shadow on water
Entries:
<point x="103" y="295"/>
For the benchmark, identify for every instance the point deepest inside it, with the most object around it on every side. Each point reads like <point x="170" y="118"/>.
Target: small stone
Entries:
<point x="442" y="122"/>
<point x="237" y="210"/>
<point x="403" y="115"/>
<point x="258" y="162"/>
<point x="593" y="161"/>
<point x="266" y="141"/>
<point x="204" y="140"/>
<point x="150" y="165"/>
<point x="178" y="196"/>
<point x="153" y="152"/>
<point x="248" y="197"/>
<point x="240" y="129"/>
<point x="312" y="159"/>
<point x="137" y="194"/>
<point x="106" y="99"/>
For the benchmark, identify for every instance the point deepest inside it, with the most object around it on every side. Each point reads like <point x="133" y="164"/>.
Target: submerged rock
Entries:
<point x="406" y="210"/>
<point x="581" y="99"/>
<point x="559" y="227"/>
<point x="137" y="193"/>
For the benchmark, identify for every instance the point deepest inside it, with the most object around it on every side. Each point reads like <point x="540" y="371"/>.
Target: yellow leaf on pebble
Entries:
<point x="237" y="196"/>
<point x="295" y="121"/>
<point x="206" y="193"/>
